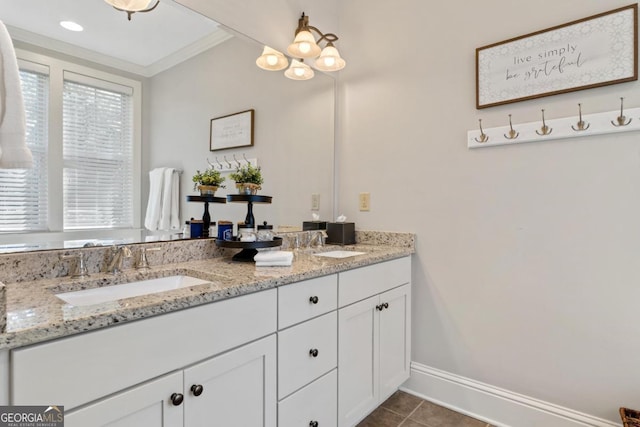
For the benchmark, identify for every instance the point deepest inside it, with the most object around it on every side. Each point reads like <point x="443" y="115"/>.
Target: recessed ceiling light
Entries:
<point x="71" y="26"/>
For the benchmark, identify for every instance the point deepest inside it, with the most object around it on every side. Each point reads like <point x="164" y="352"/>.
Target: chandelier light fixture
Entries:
<point x="133" y="6"/>
<point x="304" y="46"/>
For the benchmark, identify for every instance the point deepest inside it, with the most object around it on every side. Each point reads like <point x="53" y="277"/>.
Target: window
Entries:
<point x="83" y="128"/>
<point x="23" y="192"/>
<point x="98" y="154"/>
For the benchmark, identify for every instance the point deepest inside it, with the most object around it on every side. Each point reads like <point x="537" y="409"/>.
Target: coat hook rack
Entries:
<point x="512" y="133"/>
<point x="581" y="125"/>
<point x="483" y="136"/>
<point x="544" y="130"/>
<point x="621" y="119"/>
<point x="563" y="128"/>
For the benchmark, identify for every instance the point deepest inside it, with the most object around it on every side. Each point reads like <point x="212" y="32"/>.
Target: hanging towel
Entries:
<point x="14" y="153"/>
<point x="169" y="215"/>
<point x="156" y="181"/>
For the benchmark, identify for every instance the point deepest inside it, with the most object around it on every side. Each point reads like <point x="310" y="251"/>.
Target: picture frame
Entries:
<point x="595" y="51"/>
<point x="231" y="131"/>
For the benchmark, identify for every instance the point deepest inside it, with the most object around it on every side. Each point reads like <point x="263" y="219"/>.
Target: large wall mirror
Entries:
<point x="184" y="90"/>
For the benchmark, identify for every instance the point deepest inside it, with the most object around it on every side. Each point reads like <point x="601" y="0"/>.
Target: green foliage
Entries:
<point x="248" y="174"/>
<point x="209" y="177"/>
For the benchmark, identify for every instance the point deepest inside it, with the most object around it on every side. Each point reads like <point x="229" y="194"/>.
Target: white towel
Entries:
<point x="273" y="256"/>
<point x="156" y="181"/>
<point x="273" y="263"/>
<point x="169" y="206"/>
<point x="14" y="153"/>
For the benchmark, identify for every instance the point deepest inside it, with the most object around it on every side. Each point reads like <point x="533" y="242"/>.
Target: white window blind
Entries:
<point x="98" y="149"/>
<point x="23" y="192"/>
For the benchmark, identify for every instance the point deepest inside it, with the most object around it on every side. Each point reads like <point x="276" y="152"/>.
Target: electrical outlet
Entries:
<point x="315" y="202"/>
<point x="364" y="202"/>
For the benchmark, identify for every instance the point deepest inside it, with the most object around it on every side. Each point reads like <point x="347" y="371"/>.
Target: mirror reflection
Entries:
<point x="181" y="93"/>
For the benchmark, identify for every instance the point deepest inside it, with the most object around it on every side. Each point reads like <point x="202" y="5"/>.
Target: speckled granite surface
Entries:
<point x="35" y="314"/>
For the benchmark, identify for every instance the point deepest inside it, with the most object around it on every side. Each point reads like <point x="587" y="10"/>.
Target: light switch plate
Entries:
<point x="315" y="202"/>
<point x="364" y="202"/>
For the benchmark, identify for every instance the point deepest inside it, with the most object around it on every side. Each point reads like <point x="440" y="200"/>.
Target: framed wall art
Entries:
<point x="231" y="131"/>
<point x="595" y="51"/>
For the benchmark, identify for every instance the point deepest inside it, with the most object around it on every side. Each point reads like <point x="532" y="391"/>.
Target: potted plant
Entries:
<point x="208" y="181"/>
<point x="248" y="178"/>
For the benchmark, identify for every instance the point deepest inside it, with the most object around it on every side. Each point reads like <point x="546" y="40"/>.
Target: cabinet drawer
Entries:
<point x="82" y="368"/>
<point x="360" y="283"/>
<point x="316" y="402"/>
<point x="304" y="300"/>
<point x="296" y="364"/>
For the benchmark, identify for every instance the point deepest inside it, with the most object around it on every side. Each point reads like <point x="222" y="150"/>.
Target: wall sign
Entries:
<point x="231" y="131"/>
<point x="595" y="51"/>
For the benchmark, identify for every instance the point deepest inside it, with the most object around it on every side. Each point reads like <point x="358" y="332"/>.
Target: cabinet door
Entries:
<point x="395" y="339"/>
<point x="315" y="404"/>
<point x="357" y="361"/>
<point x="238" y="388"/>
<point x="147" y="405"/>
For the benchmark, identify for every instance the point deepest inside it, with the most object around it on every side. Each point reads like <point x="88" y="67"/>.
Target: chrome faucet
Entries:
<point x="117" y="254"/>
<point x="80" y="269"/>
<point x="318" y="238"/>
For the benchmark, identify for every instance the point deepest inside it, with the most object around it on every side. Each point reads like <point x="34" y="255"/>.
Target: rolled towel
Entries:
<point x="274" y="263"/>
<point x="274" y="256"/>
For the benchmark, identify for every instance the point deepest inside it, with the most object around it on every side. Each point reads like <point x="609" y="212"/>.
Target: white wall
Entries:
<point x="526" y="275"/>
<point x="293" y="131"/>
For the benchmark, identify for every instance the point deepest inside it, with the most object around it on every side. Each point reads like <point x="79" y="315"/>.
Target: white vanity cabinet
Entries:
<point x="374" y="331"/>
<point x="307" y="353"/>
<point x="144" y="373"/>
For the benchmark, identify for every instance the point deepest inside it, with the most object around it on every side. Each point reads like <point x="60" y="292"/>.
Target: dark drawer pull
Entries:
<point x="176" y="399"/>
<point x="313" y="352"/>
<point x="197" y="389"/>
<point x="313" y="300"/>
<point x="313" y="424"/>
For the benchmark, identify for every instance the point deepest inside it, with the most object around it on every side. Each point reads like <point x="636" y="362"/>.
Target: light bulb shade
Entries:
<point x="130" y="5"/>
<point x="272" y="60"/>
<point x="299" y="71"/>
<point x="304" y="46"/>
<point x="330" y="60"/>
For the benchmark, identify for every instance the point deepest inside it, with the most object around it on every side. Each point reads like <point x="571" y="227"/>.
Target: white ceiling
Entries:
<point x="149" y="43"/>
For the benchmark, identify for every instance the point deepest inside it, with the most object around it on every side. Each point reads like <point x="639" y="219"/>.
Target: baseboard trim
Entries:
<point x="499" y="407"/>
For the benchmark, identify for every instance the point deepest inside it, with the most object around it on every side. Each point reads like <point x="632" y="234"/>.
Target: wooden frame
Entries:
<point x="595" y="51"/>
<point x="231" y="131"/>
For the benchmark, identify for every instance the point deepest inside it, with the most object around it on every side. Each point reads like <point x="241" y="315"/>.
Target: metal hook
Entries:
<point x="218" y="162"/>
<point x="210" y="164"/>
<point x="237" y="162"/>
<point x="581" y="124"/>
<point x="483" y="136"/>
<point x="621" y="118"/>
<point x="245" y="159"/>
<point x="544" y="130"/>
<point x="512" y="133"/>
<point x="228" y="164"/>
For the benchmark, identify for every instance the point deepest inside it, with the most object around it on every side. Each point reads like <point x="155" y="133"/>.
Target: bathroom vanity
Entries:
<point x="321" y="343"/>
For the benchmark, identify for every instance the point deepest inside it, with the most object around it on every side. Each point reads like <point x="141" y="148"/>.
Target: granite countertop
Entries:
<point x="35" y="314"/>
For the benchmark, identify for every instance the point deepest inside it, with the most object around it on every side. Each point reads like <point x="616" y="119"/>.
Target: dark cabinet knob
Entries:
<point x="386" y="305"/>
<point x="197" y="389"/>
<point x="313" y="300"/>
<point x="313" y="352"/>
<point x="177" y="398"/>
<point x="379" y="307"/>
<point x="313" y="424"/>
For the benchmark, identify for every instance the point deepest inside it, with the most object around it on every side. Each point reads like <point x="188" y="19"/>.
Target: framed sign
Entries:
<point x="595" y="51"/>
<point x="231" y="131"/>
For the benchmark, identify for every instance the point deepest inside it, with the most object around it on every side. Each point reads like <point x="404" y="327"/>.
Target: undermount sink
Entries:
<point x="339" y="254"/>
<point x="128" y="290"/>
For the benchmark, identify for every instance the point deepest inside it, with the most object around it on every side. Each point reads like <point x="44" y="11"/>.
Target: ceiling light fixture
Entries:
<point x="133" y="6"/>
<point x="71" y="26"/>
<point x="304" y="46"/>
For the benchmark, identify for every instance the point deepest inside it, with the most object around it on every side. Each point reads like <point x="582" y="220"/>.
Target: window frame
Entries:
<point x="57" y="67"/>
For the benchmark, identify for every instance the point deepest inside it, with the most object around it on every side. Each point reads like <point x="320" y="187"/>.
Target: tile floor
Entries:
<point x="405" y="410"/>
